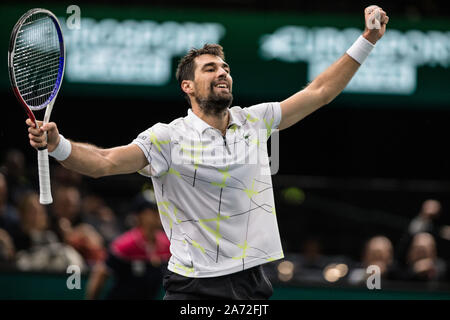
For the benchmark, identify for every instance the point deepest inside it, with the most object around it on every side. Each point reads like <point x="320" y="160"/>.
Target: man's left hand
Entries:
<point x="376" y="21"/>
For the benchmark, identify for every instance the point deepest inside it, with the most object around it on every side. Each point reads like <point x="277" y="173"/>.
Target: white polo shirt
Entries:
<point x="214" y="192"/>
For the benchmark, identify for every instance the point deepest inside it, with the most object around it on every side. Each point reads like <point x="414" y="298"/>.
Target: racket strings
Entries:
<point x="36" y="59"/>
<point x="25" y="72"/>
<point x="30" y="58"/>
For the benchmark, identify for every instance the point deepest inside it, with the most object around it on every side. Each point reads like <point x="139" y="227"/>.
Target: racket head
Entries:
<point x="36" y="59"/>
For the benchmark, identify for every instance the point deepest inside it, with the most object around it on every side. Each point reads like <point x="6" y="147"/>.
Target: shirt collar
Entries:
<point x="201" y="125"/>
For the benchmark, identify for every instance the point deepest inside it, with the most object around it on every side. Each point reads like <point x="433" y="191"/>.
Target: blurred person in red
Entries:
<point x="136" y="259"/>
<point x="423" y="263"/>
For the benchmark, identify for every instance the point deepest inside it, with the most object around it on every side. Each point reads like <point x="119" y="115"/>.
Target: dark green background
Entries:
<point x="52" y="286"/>
<point x="254" y="78"/>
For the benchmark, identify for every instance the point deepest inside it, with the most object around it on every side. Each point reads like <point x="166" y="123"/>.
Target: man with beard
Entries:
<point x="210" y="170"/>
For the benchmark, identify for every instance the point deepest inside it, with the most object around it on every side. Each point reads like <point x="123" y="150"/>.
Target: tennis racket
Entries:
<point x="36" y="60"/>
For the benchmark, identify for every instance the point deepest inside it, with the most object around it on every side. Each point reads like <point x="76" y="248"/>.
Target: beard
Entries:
<point x="215" y="103"/>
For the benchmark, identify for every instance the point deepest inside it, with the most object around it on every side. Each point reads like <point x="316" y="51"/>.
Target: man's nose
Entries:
<point x="222" y="72"/>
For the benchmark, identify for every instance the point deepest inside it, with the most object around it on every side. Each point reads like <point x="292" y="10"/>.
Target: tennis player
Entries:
<point x="210" y="170"/>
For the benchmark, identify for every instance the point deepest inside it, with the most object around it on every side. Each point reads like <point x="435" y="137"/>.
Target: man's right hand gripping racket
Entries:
<point x="36" y="60"/>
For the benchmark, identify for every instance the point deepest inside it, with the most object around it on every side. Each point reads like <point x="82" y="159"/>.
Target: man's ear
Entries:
<point x="187" y="86"/>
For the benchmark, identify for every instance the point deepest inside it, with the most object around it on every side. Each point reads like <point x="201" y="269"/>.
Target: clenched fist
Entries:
<point x="376" y="20"/>
<point x="45" y="136"/>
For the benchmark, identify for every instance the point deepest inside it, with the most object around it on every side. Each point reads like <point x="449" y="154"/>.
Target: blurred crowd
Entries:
<point x="80" y="228"/>
<point x="74" y="229"/>
<point x="421" y="255"/>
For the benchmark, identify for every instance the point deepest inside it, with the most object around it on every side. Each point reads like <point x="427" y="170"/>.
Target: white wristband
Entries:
<point x="63" y="150"/>
<point x="360" y="49"/>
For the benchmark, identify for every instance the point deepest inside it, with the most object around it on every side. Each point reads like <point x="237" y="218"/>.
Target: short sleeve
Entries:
<point x="155" y="143"/>
<point x="266" y="116"/>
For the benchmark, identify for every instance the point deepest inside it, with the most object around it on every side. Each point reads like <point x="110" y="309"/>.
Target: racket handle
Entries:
<point x="44" y="177"/>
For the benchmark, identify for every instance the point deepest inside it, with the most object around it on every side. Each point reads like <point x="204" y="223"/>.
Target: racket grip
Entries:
<point x="44" y="177"/>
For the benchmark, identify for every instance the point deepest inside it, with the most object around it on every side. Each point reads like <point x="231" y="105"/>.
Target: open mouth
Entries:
<point x="222" y="86"/>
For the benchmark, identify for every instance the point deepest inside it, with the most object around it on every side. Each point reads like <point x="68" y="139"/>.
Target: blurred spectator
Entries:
<point x="8" y="213"/>
<point x="66" y="207"/>
<point x="423" y="263"/>
<point x="136" y="259"/>
<point x="87" y="241"/>
<point x="62" y="176"/>
<point x="7" y="249"/>
<point x="90" y="209"/>
<point x="423" y="222"/>
<point x="310" y="263"/>
<point x="38" y="247"/>
<point x="14" y="169"/>
<point x="101" y="217"/>
<point x="428" y="220"/>
<point x="312" y="254"/>
<point x="377" y="251"/>
<point x="68" y="223"/>
<point x="33" y="227"/>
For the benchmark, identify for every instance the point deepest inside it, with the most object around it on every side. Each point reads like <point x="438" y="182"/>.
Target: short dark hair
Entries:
<point x="186" y="66"/>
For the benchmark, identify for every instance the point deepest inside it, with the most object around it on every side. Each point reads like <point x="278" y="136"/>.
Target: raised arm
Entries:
<point x="330" y="83"/>
<point x="88" y="159"/>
